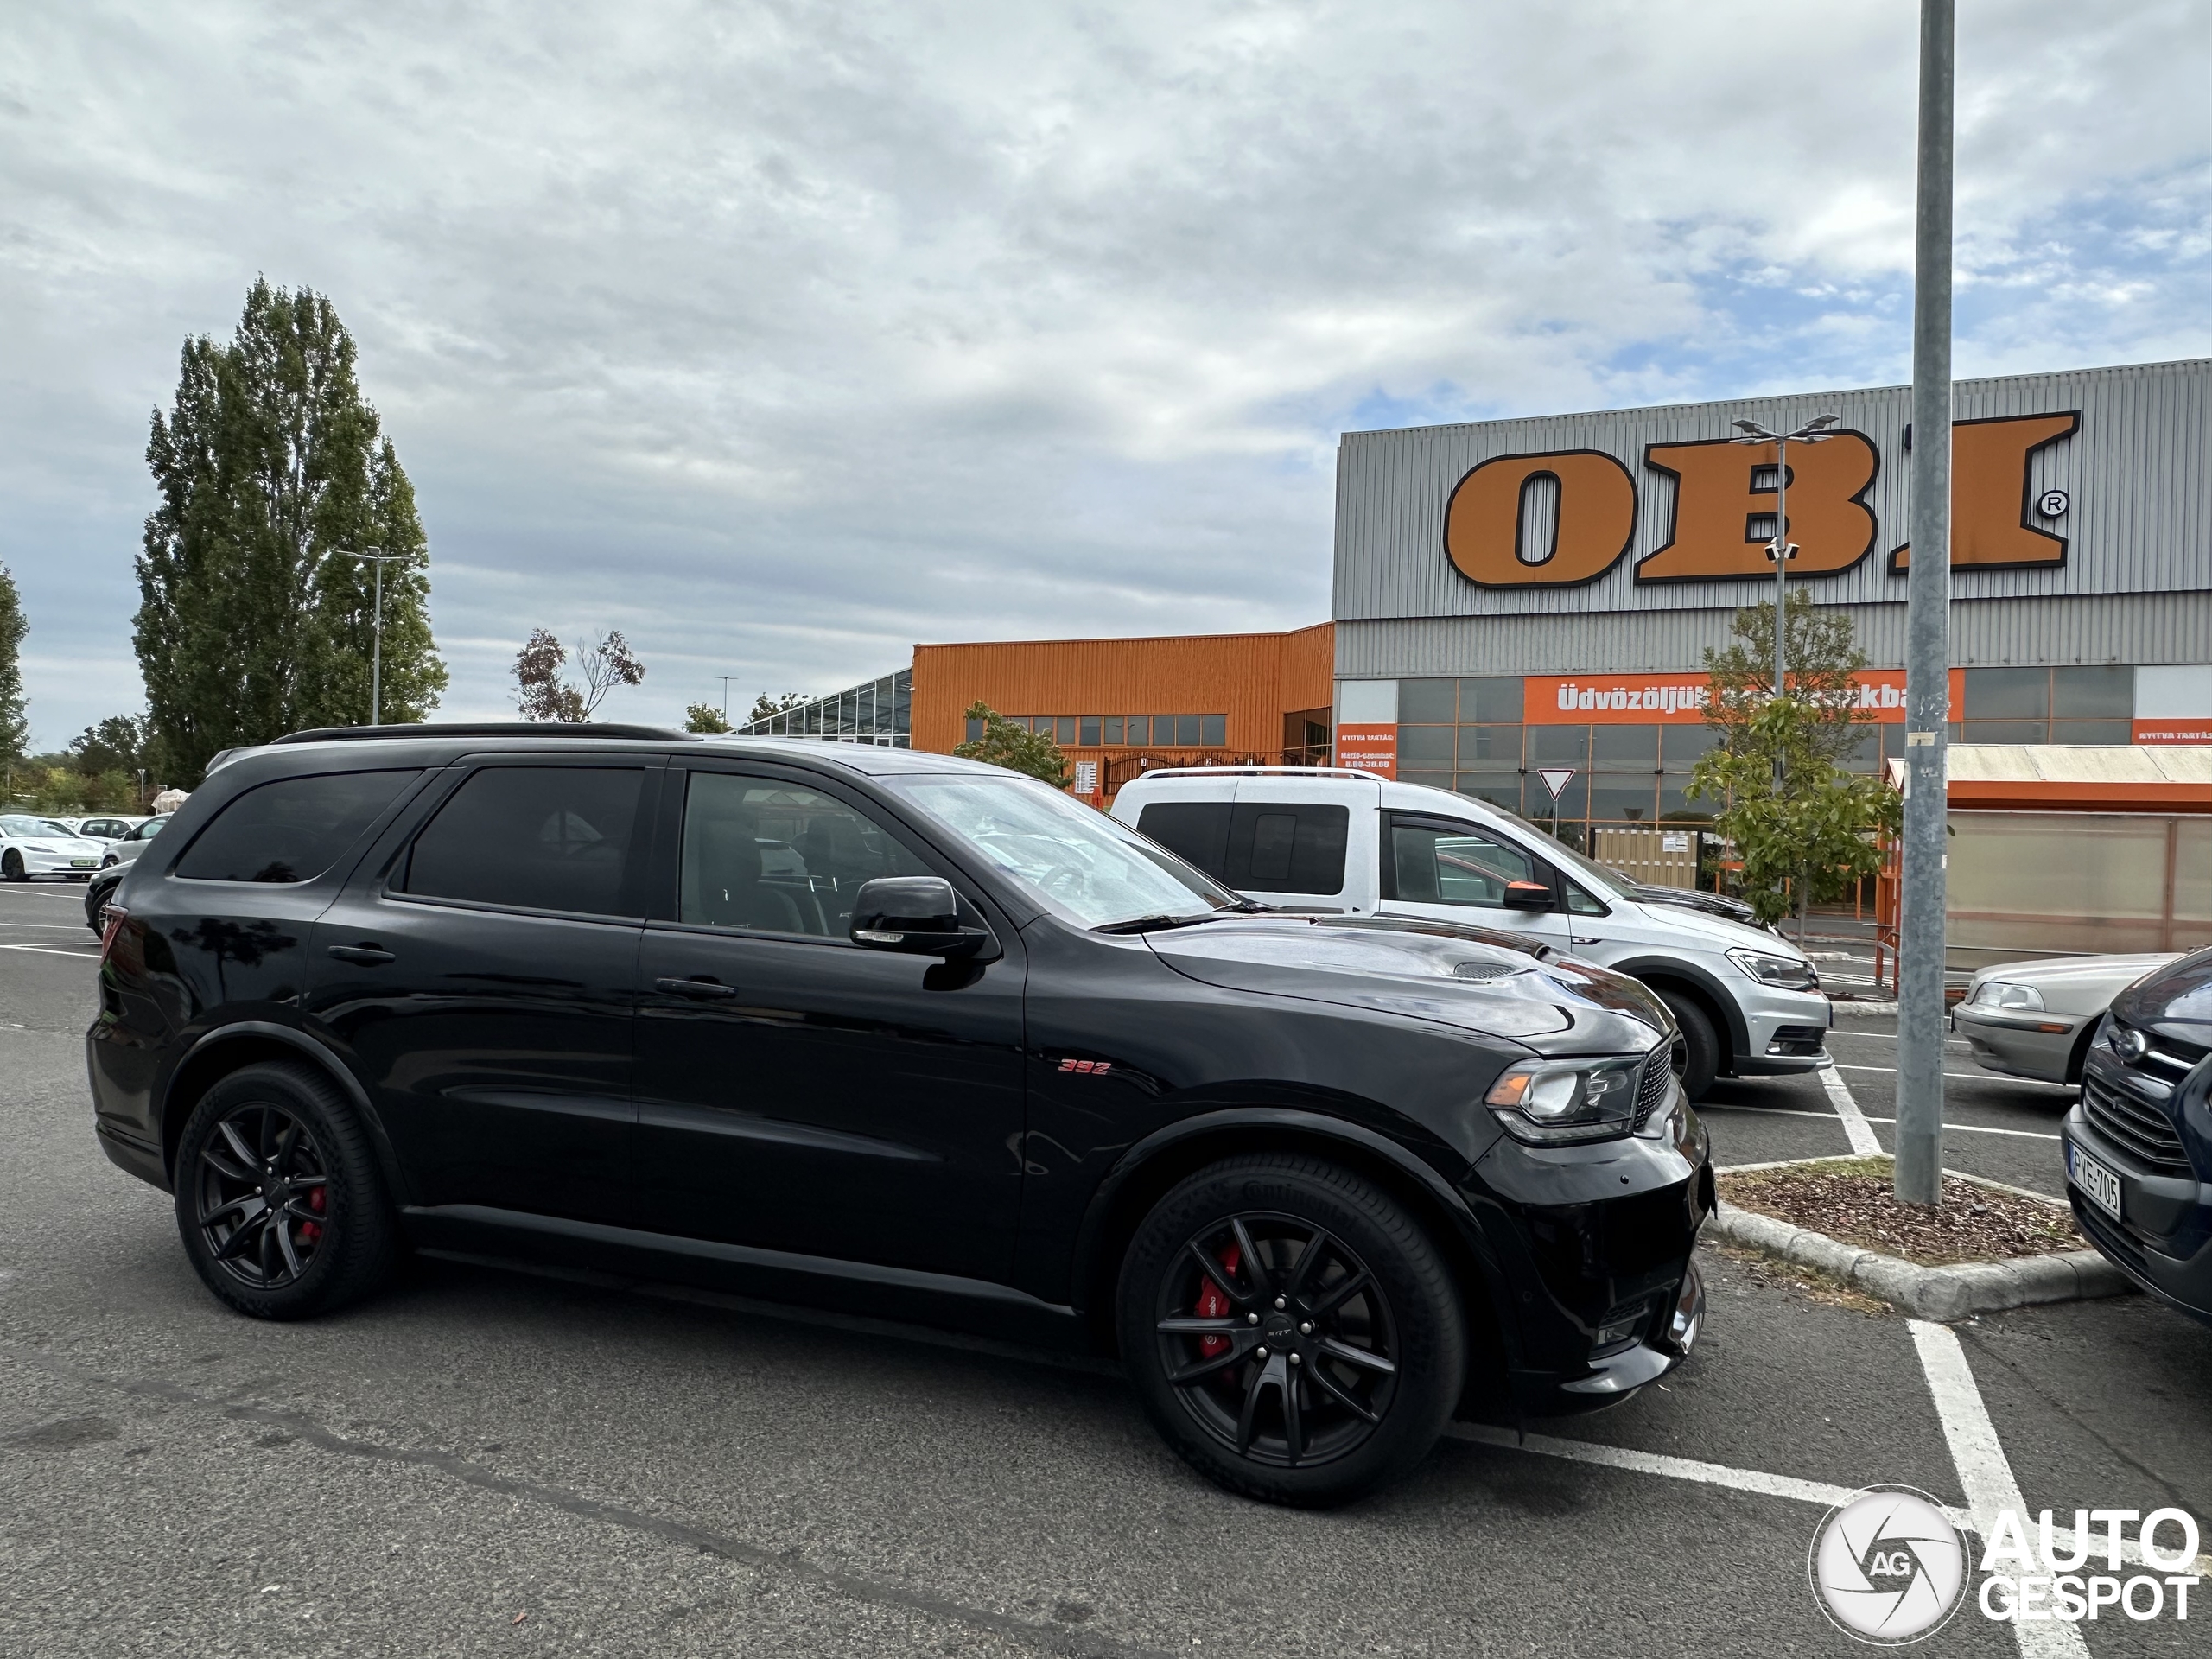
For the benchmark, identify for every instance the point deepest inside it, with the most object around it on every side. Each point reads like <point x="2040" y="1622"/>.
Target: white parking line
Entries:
<point x="85" y="952"/>
<point x="1657" y="1462"/>
<point x="1964" y="1077"/>
<point x="1984" y="1474"/>
<point x="1855" y="1129"/>
<point x="1798" y="1111"/>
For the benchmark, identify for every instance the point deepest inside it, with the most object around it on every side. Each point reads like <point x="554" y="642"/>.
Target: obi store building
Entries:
<point x="1522" y="597"/>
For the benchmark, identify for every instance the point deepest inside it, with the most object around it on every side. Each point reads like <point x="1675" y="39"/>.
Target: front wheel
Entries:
<point x="279" y="1197"/>
<point x="1291" y="1331"/>
<point x="1701" y="1043"/>
<point x="12" y="867"/>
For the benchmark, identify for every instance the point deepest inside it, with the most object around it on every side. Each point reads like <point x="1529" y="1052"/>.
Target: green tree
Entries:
<point x="270" y="466"/>
<point x="116" y="744"/>
<point x="1821" y="665"/>
<point x="704" y="718"/>
<point x="605" y="662"/>
<point x="764" y="706"/>
<point x="1811" y="837"/>
<point x="1015" y="747"/>
<point x="15" y="720"/>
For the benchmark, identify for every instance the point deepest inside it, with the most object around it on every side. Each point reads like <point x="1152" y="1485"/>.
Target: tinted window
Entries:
<point x="1287" y="847"/>
<point x="1195" y="831"/>
<point x="1437" y="866"/>
<point x="533" y="838"/>
<point x="291" y="830"/>
<point x="761" y="854"/>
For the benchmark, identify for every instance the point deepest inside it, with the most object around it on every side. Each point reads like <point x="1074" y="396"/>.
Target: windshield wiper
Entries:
<point x="1152" y="923"/>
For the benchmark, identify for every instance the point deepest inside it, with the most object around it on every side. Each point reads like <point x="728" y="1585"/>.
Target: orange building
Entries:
<point x="1119" y="707"/>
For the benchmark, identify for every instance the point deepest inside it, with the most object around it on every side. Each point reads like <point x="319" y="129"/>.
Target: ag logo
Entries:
<point x="1888" y="1568"/>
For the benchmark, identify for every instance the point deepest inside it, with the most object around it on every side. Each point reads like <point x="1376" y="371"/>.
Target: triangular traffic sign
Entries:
<point x="1556" y="779"/>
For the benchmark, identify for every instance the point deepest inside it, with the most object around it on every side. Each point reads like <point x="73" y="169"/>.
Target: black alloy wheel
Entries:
<point x="264" y="1196"/>
<point x="279" y="1197"/>
<point x="1293" y="1334"/>
<point x="1279" y="1339"/>
<point x="12" y="867"/>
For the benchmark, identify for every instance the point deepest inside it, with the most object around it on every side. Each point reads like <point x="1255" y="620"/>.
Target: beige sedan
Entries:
<point x="2035" y="1018"/>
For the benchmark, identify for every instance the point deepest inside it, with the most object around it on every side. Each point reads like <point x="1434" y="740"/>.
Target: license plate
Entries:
<point x="82" y="864"/>
<point x="2094" y="1178"/>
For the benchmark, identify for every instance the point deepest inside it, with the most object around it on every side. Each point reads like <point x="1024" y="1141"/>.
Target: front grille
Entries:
<point x="1652" y="1084"/>
<point x="2134" y="1126"/>
<point x="1798" y="1041"/>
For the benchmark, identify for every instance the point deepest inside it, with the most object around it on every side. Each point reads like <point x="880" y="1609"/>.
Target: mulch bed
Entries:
<point x="1852" y="1202"/>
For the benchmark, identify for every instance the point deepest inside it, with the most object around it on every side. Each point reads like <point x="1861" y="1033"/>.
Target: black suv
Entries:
<point x="903" y="1035"/>
<point x="2138" y="1141"/>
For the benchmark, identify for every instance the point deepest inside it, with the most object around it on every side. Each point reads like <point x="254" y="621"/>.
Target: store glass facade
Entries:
<point x="881" y="712"/>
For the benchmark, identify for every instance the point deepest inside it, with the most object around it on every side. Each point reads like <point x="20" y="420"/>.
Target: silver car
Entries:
<point x="2035" y="1018"/>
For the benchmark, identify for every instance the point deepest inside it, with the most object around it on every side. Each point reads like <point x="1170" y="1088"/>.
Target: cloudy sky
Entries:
<point x="781" y="336"/>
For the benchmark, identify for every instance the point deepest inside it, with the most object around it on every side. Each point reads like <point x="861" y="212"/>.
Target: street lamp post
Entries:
<point x="726" y="679"/>
<point x="379" y="558"/>
<point x="1782" y="549"/>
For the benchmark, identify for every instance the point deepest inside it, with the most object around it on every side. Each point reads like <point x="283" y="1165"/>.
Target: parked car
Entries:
<point x="41" y="845"/>
<point x="1748" y="1002"/>
<point x="2138" y="1140"/>
<point x="986" y="1059"/>
<point x="2036" y="1018"/>
<point x="108" y="829"/>
<point x="127" y="849"/>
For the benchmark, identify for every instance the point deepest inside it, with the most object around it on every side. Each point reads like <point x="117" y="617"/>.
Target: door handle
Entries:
<point x="705" y="989"/>
<point x="367" y="956"/>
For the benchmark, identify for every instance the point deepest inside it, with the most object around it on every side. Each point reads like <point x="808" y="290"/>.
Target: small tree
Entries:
<point x="14" y="723"/>
<point x="1017" y="749"/>
<point x="1821" y="665"/>
<point x="604" y="663"/>
<point x="1812" y="836"/>
<point x="704" y="718"/>
<point x="766" y="707"/>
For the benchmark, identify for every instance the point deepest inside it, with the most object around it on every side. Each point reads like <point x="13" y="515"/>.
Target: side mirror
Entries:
<point x="916" y="915"/>
<point x="1529" y="895"/>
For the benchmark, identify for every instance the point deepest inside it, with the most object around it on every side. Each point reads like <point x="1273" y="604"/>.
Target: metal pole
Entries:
<point x="1781" y="561"/>
<point x="1919" y="930"/>
<point x="376" y="653"/>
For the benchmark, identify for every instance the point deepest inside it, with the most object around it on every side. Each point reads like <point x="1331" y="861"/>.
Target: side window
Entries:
<point x="1195" y="831"/>
<point x="533" y="838"/>
<point x="291" y="830"/>
<point x="1288" y="847"/>
<point x="779" y="858"/>
<point x="1581" y="903"/>
<point x="1436" y="865"/>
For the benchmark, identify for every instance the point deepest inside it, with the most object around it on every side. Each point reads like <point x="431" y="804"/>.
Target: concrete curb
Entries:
<point x="1939" y="1293"/>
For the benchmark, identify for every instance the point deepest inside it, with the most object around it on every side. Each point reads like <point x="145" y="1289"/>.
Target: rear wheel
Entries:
<point x="279" y="1197"/>
<point x="1700" y="1043"/>
<point x="1293" y="1332"/>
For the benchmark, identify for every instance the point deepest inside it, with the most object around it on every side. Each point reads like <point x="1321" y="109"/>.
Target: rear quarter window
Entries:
<point x="1195" y="831"/>
<point x="1288" y="847"/>
<point x="291" y="831"/>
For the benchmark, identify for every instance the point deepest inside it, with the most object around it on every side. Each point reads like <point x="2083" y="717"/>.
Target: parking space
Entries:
<point x="632" y="1469"/>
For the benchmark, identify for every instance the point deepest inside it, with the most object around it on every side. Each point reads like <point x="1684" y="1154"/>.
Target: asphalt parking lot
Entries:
<point x="492" y="1460"/>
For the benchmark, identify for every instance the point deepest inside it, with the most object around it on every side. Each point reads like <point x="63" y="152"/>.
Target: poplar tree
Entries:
<point x="15" y="723"/>
<point x="271" y="466"/>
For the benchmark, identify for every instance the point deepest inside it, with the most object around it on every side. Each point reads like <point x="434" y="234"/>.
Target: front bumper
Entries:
<point x="39" y="862"/>
<point x="1788" y="1030"/>
<point x="1594" y="1239"/>
<point x="2163" y="1237"/>
<point x="2038" y="1046"/>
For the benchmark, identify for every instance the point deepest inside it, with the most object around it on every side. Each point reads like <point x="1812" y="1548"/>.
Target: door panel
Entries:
<point x="496" y="1041"/>
<point x="798" y="1092"/>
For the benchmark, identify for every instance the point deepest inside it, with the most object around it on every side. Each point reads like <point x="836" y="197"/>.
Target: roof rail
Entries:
<point x="485" y="729"/>
<point x="1293" y="772"/>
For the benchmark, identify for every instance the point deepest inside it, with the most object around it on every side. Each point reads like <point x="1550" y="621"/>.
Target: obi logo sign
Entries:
<point x="1564" y="517"/>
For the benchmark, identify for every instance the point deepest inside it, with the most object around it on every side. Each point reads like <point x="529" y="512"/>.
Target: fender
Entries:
<point x="1740" y="1033"/>
<point x="1091" y="1236"/>
<point x="308" y="1048"/>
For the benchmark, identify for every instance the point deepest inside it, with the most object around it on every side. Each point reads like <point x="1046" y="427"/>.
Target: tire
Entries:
<point x="1405" y="1317"/>
<point x="1701" y="1043"/>
<point x="334" y="1244"/>
<point x="12" y="867"/>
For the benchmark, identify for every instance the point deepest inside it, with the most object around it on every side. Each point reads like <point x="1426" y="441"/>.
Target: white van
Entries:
<point x="1349" y="843"/>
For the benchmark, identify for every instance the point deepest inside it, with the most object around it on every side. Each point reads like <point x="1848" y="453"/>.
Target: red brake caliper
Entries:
<point x="310" y="1232"/>
<point x="1212" y="1305"/>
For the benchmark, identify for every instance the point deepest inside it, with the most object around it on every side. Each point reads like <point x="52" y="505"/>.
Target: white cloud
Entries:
<point x="781" y="336"/>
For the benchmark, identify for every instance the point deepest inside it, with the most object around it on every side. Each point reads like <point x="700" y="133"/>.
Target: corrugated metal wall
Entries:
<point x="2128" y="628"/>
<point x="2139" y="471"/>
<point x="1246" y="675"/>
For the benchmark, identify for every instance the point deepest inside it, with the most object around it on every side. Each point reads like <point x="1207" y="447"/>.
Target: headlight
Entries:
<point x="1996" y="994"/>
<point x="1552" y="1103"/>
<point x="1790" y="973"/>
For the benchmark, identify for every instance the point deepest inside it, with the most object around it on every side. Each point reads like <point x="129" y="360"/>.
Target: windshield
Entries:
<point x="19" y="824"/>
<point x="1080" y="864"/>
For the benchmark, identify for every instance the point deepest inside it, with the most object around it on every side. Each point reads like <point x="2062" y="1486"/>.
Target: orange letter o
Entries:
<point x="1597" y="519"/>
